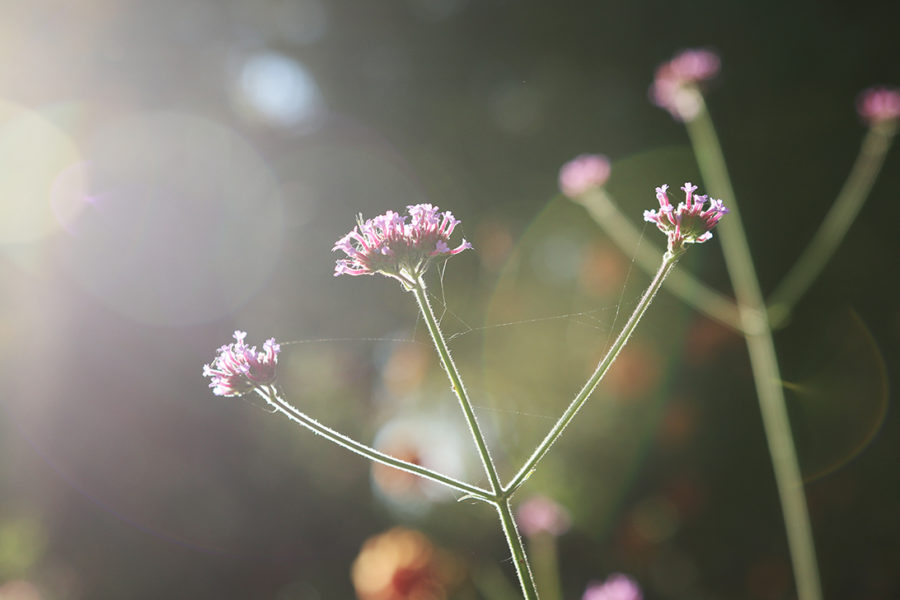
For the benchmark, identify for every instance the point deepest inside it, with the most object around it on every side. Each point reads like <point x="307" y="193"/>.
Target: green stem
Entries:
<point x="542" y="548"/>
<point x="514" y="541"/>
<point x="443" y="351"/>
<point x="490" y="582"/>
<point x="498" y="498"/>
<point x="276" y="401"/>
<point x="763" y="360"/>
<point x="682" y="284"/>
<point x="835" y="225"/>
<point x="668" y="262"/>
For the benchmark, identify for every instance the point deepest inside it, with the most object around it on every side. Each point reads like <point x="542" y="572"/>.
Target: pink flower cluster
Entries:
<point x="616" y="587"/>
<point x="675" y="83"/>
<point x="582" y="174"/>
<point x="398" y="246"/>
<point x="879" y="104"/>
<point x="238" y="368"/>
<point x="689" y="223"/>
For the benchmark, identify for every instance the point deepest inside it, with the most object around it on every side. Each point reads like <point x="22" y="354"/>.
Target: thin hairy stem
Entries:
<point x="272" y="396"/>
<point x="835" y="225"/>
<point x="627" y="237"/>
<point x="500" y="501"/>
<point x="456" y="383"/>
<point x="517" y="548"/>
<point x="668" y="263"/>
<point x="763" y="360"/>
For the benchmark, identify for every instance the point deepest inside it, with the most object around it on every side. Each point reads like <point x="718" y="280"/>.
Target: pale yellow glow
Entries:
<point x="33" y="155"/>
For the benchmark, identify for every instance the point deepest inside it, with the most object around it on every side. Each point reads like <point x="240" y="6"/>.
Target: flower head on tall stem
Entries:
<point x="689" y="223"/>
<point x="238" y="368"/>
<point x="582" y="174"/>
<point x="676" y="83"/>
<point x="878" y="105"/>
<point x="616" y="587"/>
<point x="398" y="246"/>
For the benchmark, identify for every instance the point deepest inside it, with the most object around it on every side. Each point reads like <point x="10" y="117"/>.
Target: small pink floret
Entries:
<point x="616" y="587"/>
<point x="238" y="368"/>
<point x="879" y="104"/>
<point x="583" y="173"/>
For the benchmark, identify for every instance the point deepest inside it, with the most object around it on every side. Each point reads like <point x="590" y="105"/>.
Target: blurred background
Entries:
<point x="173" y="171"/>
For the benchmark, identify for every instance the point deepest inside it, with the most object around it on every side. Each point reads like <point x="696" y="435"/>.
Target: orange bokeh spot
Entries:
<point x="602" y="272"/>
<point x="636" y="372"/>
<point x="402" y="564"/>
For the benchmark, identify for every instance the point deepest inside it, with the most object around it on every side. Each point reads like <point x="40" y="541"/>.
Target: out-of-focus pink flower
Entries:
<point x="675" y="84"/>
<point x="689" y="223"/>
<point x="238" y="368"/>
<point x="19" y="589"/>
<point x="879" y="104"/>
<point x="390" y="245"/>
<point x="583" y="173"/>
<point x="540" y="514"/>
<point x="616" y="587"/>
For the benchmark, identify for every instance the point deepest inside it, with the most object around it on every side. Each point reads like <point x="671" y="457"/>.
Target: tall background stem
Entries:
<point x="763" y="360"/>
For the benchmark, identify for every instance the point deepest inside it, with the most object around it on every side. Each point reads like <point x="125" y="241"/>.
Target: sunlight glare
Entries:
<point x="33" y="154"/>
<point x="184" y="223"/>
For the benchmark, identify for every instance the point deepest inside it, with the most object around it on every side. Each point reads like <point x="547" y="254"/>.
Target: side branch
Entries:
<point x="272" y="396"/>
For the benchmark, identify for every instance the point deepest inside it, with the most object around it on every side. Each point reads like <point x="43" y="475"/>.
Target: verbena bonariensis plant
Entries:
<point x="678" y="87"/>
<point x="403" y="247"/>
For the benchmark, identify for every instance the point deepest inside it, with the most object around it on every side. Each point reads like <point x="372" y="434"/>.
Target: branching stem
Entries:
<point x="499" y="498"/>
<point x="271" y="395"/>
<point x="668" y="263"/>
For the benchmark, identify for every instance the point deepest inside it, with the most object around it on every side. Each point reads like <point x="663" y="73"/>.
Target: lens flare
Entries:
<point x="183" y="224"/>
<point x="839" y="396"/>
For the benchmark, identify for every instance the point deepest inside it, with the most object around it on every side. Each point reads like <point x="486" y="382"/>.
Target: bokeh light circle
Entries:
<point x="184" y="221"/>
<point x="276" y="89"/>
